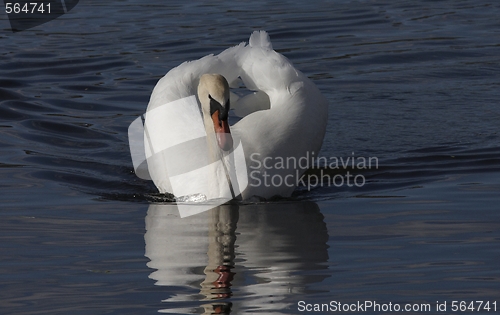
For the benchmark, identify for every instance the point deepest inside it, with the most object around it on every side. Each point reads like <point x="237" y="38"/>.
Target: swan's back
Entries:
<point x="293" y="127"/>
<point x="263" y="69"/>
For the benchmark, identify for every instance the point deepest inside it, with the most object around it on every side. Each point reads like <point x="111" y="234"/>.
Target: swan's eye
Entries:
<point x="214" y="106"/>
<point x="224" y="113"/>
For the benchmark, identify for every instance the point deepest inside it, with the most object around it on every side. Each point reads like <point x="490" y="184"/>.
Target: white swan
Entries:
<point x="284" y="120"/>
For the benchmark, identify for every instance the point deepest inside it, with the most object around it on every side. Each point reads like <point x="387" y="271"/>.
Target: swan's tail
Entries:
<point x="260" y="39"/>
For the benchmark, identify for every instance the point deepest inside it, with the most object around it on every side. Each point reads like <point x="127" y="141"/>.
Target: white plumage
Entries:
<point x="285" y="117"/>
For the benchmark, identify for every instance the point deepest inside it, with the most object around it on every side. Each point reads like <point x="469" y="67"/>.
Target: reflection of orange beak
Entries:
<point x="222" y="133"/>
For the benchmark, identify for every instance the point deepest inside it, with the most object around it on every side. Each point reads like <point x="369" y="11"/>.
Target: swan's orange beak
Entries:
<point x="222" y="132"/>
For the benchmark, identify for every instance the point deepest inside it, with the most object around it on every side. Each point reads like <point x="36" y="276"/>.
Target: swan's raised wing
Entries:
<point x="182" y="81"/>
<point x="178" y="84"/>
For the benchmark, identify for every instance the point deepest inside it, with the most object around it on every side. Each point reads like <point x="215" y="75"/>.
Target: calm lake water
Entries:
<point x="415" y="84"/>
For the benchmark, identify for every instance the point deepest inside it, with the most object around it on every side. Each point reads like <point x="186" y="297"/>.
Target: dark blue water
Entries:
<point x="413" y="83"/>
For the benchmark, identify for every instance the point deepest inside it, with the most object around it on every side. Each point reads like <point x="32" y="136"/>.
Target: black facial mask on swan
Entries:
<point x="216" y="106"/>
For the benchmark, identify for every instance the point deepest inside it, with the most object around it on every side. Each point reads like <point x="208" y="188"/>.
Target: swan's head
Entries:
<point x="213" y="92"/>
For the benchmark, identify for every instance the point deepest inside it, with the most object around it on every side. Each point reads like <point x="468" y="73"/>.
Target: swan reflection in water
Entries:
<point x="266" y="251"/>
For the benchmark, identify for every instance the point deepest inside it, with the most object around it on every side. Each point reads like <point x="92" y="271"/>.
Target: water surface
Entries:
<point x="413" y="83"/>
